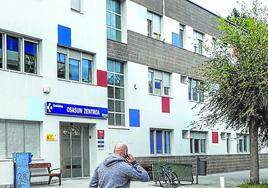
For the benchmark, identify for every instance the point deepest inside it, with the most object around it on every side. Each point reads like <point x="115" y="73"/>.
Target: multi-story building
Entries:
<point x="79" y="76"/>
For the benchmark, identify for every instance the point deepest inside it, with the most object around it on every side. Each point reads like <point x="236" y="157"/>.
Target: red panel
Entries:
<point x="215" y="137"/>
<point x="100" y="133"/>
<point x="165" y="105"/>
<point x="102" y="78"/>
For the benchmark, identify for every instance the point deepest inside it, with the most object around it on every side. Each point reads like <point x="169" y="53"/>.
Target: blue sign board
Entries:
<point x="53" y="108"/>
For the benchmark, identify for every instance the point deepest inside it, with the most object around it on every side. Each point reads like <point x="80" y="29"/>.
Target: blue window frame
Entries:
<point x="86" y="71"/>
<point x="1" y="51"/>
<point x="152" y="142"/>
<point x="159" y="142"/>
<point x="61" y="59"/>
<point x="74" y="69"/>
<point x="13" y="53"/>
<point x="30" y="57"/>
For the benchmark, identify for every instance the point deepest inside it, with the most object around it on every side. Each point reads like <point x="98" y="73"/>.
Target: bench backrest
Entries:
<point x="40" y="165"/>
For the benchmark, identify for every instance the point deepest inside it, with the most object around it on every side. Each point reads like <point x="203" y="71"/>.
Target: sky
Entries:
<point x="222" y="7"/>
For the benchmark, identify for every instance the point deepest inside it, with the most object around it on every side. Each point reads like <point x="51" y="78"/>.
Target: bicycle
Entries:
<point x="167" y="178"/>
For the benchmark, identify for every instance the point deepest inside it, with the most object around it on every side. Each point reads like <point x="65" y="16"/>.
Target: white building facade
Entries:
<point x="79" y="76"/>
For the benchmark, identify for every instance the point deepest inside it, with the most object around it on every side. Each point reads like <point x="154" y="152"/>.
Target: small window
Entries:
<point x="76" y="5"/>
<point x="181" y="41"/>
<point x="198" y="42"/>
<point x="242" y="143"/>
<point x="74" y="69"/>
<point x="154" y="25"/>
<point x="198" y="142"/>
<point x="158" y="82"/>
<point x="30" y="57"/>
<point x="61" y="59"/>
<point x="1" y="50"/>
<point x="13" y="53"/>
<point x="86" y="71"/>
<point x="194" y="93"/>
<point x="160" y="141"/>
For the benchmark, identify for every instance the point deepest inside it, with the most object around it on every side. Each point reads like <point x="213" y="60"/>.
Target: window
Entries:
<point x="76" y="5"/>
<point x="113" y="19"/>
<point x="86" y="71"/>
<point x="116" y="93"/>
<point x="198" y="142"/>
<point x="1" y="51"/>
<point x="19" y="136"/>
<point x="154" y="25"/>
<point x="74" y="65"/>
<point x="181" y="41"/>
<point x="242" y="143"/>
<point x="30" y="57"/>
<point x="13" y="53"/>
<point x="194" y="94"/>
<point x="61" y="59"/>
<point x="21" y="53"/>
<point x="158" y="82"/>
<point x="228" y="142"/>
<point x="160" y="141"/>
<point x="198" y="42"/>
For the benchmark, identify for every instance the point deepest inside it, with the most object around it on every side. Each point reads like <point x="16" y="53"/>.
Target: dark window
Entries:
<point x="30" y="57"/>
<point x="159" y="142"/>
<point x="86" y="71"/>
<point x="152" y="142"/>
<point x="13" y="53"/>
<point x="74" y="69"/>
<point x="61" y="59"/>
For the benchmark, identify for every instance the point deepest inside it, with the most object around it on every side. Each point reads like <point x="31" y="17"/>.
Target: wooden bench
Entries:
<point x="49" y="173"/>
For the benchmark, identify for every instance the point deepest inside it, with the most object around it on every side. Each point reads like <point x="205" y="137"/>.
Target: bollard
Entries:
<point x="222" y="182"/>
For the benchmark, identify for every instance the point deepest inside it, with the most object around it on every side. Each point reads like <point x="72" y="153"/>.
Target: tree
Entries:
<point x="236" y="79"/>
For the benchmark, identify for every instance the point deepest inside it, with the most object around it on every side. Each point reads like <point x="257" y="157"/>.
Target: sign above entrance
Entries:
<point x="53" y="108"/>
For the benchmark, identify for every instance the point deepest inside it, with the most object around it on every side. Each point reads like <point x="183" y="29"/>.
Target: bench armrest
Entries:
<point x="55" y="169"/>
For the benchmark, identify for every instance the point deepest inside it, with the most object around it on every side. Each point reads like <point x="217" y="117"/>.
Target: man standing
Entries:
<point x="118" y="170"/>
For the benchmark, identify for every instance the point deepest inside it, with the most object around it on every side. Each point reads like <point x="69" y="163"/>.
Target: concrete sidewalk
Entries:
<point x="232" y="179"/>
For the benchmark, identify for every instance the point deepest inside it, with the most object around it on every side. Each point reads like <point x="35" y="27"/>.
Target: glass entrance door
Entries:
<point x="74" y="150"/>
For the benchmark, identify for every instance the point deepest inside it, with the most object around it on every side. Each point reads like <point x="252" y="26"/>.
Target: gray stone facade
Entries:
<point x="155" y="54"/>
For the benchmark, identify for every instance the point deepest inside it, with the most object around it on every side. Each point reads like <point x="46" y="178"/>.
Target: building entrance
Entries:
<point x="74" y="150"/>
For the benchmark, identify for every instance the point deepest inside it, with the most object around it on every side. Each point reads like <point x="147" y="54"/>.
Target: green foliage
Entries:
<point x="236" y="77"/>
<point x="248" y="185"/>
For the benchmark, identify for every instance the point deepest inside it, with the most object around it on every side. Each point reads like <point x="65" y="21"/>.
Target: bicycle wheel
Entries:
<point x="174" y="179"/>
<point x="164" y="180"/>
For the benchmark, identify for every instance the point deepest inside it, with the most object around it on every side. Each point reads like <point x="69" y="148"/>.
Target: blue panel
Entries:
<point x="134" y="118"/>
<point x="63" y="109"/>
<point x="159" y="142"/>
<point x="152" y="142"/>
<point x="64" y="36"/>
<point x="12" y="43"/>
<point x="175" y="39"/>
<point x="30" y="48"/>
<point x="157" y="84"/>
<point x="0" y="40"/>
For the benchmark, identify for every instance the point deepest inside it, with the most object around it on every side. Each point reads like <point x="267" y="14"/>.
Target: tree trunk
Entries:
<point x="254" y="154"/>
